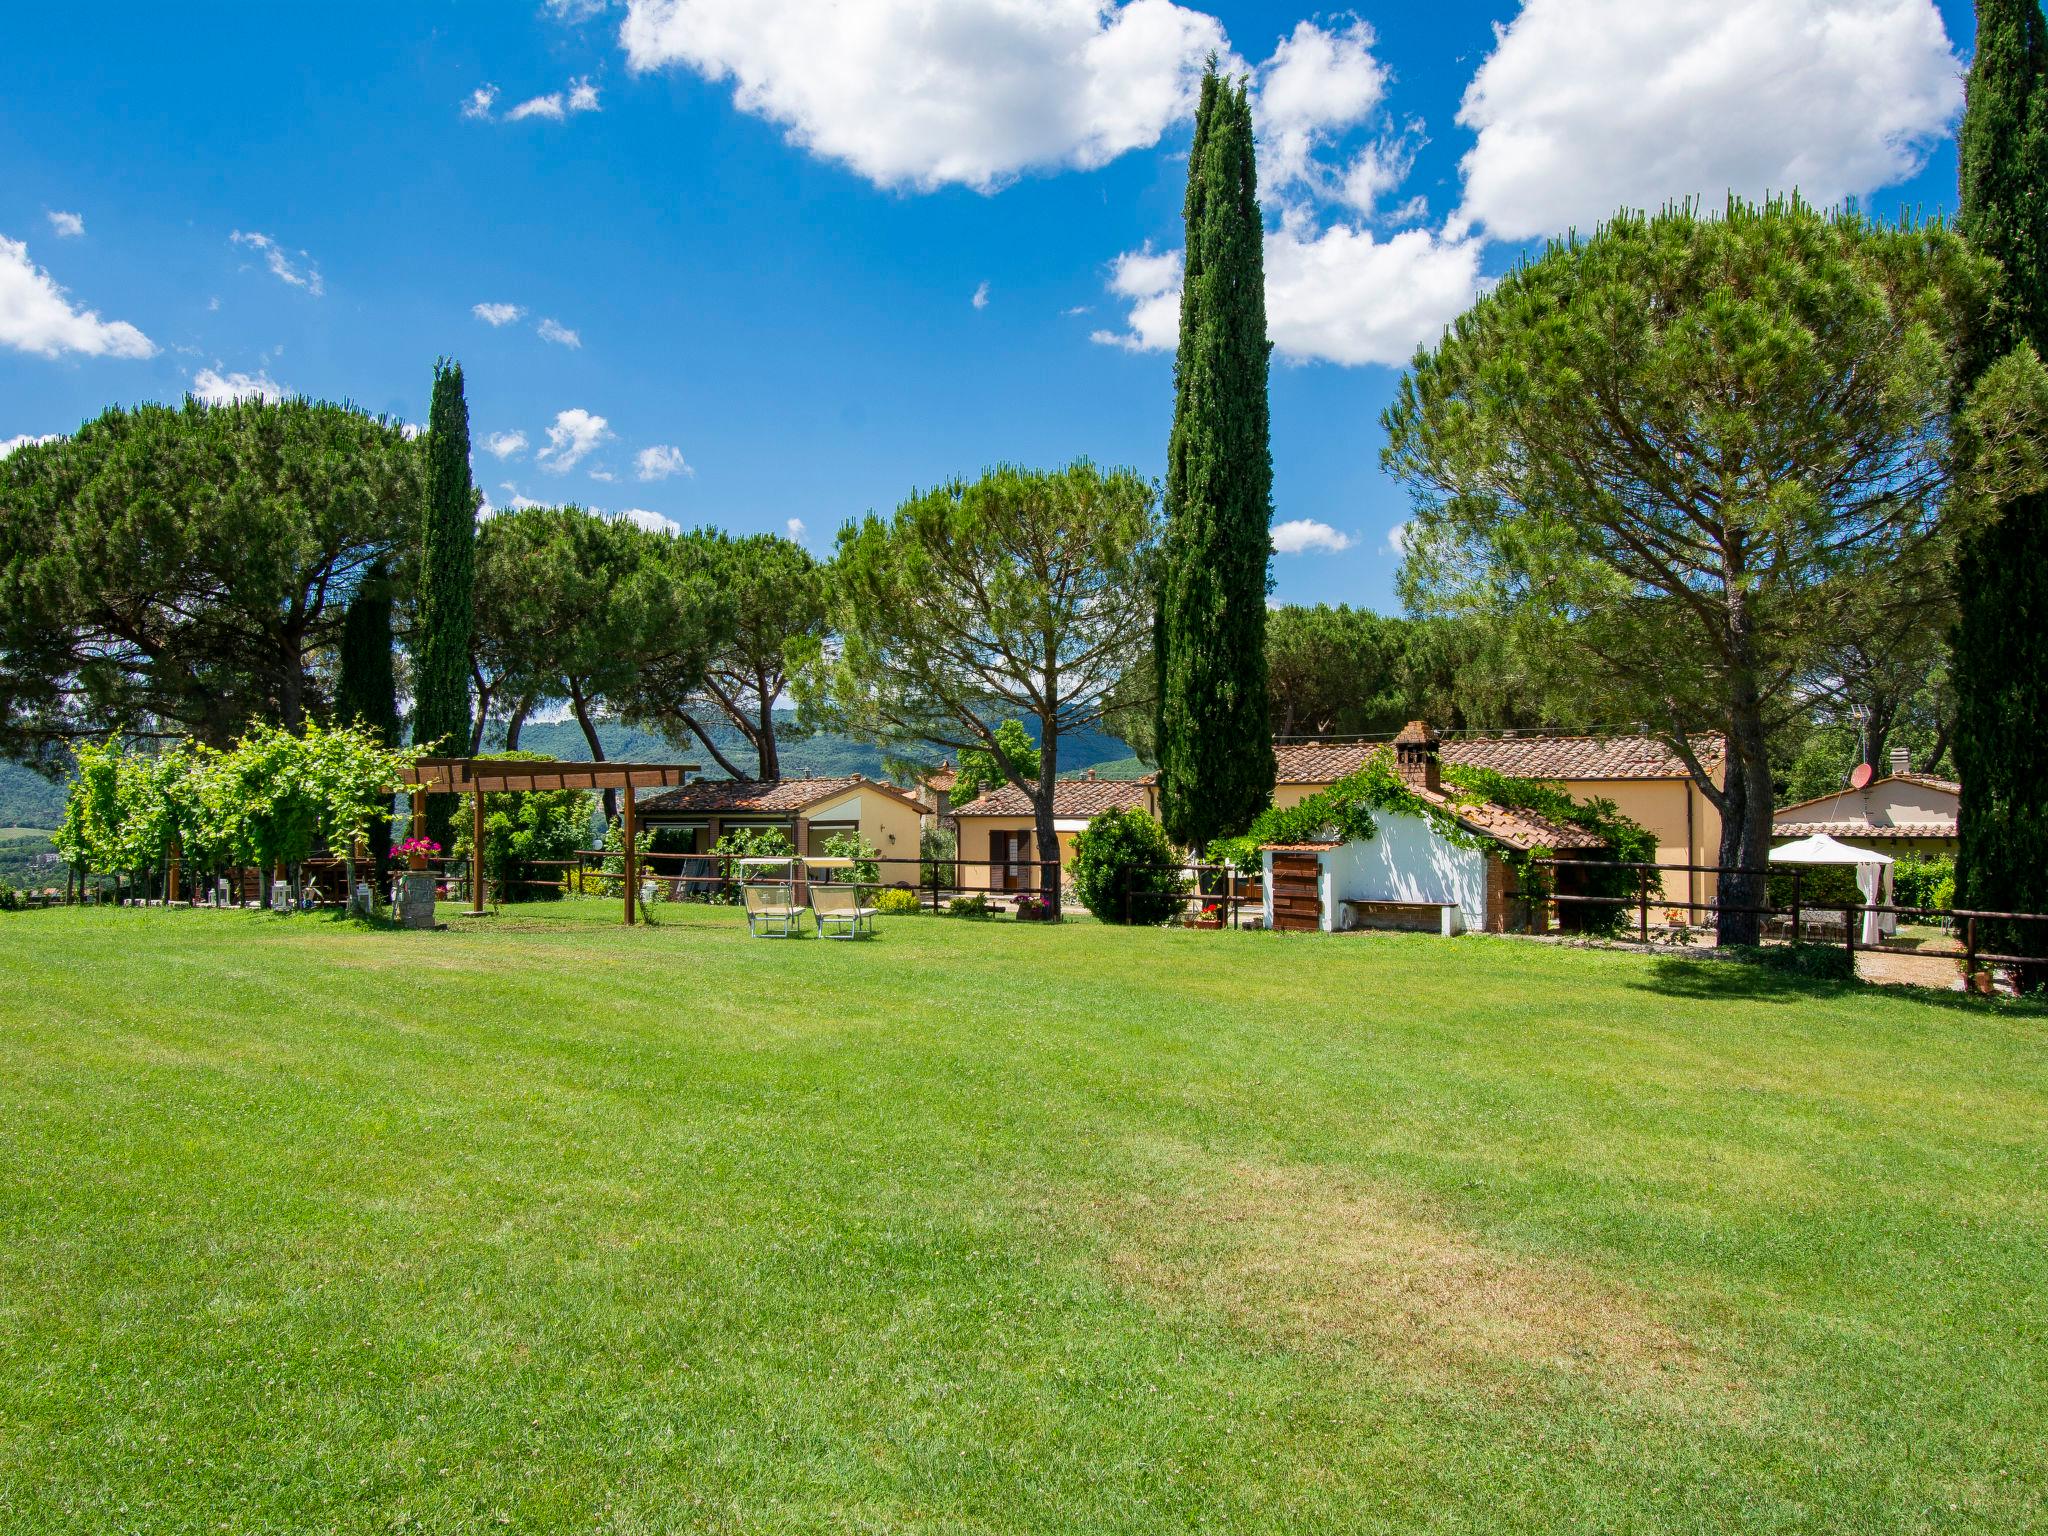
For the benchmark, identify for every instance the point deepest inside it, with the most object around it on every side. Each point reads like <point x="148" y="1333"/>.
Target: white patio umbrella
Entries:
<point x="1873" y="873"/>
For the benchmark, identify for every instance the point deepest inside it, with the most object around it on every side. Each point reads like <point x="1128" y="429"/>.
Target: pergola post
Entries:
<point x="631" y="825"/>
<point x="476" y="851"/>
<point x="419" y="811"/>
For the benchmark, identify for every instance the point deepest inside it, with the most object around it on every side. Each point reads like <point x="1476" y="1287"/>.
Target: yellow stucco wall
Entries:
<point x="975" y="871"/>
<point x="887" y="824"/>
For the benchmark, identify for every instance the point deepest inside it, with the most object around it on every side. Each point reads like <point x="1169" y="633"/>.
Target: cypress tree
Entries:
<point x="366" y="693"/>
<point x="2001" y="641"/>
<point x="447" y="576"/>
<point x="1215" y="743"/>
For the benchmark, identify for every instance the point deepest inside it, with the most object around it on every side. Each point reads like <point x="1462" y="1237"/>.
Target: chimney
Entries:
<point x="1089" y="775"/>
<point x="1415" y="757"/>
<point x="1902" y="760"/>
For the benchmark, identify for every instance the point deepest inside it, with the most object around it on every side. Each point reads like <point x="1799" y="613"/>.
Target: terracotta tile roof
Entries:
<point x="1517" y="829"/>
<point x="1070" y="798"/>
<point x="1858" y="827"/>
<point x="1521" y="757"/>
<point x="940" y="779"/>
<point x="762" y="796"/>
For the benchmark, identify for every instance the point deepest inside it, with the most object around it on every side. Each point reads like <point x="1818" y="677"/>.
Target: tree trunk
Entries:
<point x="1745" y="826"/>
<point x="764" y="733"/>
<point x="611" y="796"/>
<point x="517" y="723"/>
<point x="1042" y="815"/>
<point x="724" y="762"/>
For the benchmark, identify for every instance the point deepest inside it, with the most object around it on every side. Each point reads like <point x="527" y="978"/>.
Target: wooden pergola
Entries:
<point x="477" y="777"/>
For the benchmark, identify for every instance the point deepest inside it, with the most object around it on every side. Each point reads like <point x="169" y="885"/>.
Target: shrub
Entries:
<point x="897" y="903"/>
<point x="1924" y="880"/>
<point x="851" y="845"/>
<point x="1126" y="852"/>
<point x="937" y="849"/>
<point x="969" y="906"/>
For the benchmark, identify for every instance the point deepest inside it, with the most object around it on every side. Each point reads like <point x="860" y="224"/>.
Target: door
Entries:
<point x="1009" y="866"/>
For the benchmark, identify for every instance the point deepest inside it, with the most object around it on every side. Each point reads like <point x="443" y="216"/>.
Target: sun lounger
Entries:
<point x="837" y="902"/>
<point x="768" y="888"/>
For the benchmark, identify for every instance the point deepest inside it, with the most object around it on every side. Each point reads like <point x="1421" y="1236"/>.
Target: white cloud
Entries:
<point x="561" y="335"/>
<point x="514" y="502"/>
<point x="1339" y="294"/>
<point x="970" y="93"/>
<point x="796" y="527"/>
<point x="25" y="440"/>
<point x="1151" y="281"/>
<point x="36" y="317"/>
<point x="216" y="388"/>
<point x="1317" y="84"/>
<point x="1374" y="171"/>
<point x="505" y="445"/>
<point x="659" y="462"/>
<point x="477" y="105"/>
<point x="581" y="96"/>
<point x="576" y="10"/>
<point x="1299" y="535"/>
<point x="1397" y="540"/>
<point x="280" y="264"/>
<point x="603" y="476"/>
<point x="980" y="299"/>
<point x="548" y="106"/>
<point x="1587" y="106"/>
<point x="1342" y="295"/>
<point x="575" y="433"/>
<point x="67" y="226"/>
<point x="653" y="522"/>
<point x="497" y="314"/>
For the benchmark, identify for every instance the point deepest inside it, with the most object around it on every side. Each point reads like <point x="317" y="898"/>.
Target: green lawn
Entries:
<point x="541" y="1224"/>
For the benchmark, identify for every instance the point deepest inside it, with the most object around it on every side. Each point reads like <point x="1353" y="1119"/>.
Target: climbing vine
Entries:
<point x="1345" y="811"/>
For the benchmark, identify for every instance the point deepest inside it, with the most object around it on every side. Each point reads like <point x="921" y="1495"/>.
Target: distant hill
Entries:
<point x="27" y="799"/>
<point x="1117" y="768"/>
<point x="823" y="756"/>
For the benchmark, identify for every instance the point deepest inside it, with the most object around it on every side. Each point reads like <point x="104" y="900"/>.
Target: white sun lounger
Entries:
<point x="772" y="910"/>
<point x="836" y="901"/>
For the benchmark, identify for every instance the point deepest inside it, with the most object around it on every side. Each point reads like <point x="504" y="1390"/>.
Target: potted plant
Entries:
<point x="1211" y="916"/>
<point x="416" y="850"/>
<point x="1032" y="908"/>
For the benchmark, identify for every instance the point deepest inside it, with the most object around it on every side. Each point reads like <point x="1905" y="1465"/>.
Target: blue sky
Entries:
<point x="812" y="256"/>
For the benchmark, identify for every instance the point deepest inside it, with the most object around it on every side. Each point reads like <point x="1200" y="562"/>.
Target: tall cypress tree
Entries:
<point x="1215" y="740"/>
<point x="366" y="693"/>
<point x="447" y="614"/>
<point x="2001" y="642"/>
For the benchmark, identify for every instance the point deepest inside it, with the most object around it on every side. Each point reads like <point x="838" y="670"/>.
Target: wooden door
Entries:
<point x="1297" y="892"/>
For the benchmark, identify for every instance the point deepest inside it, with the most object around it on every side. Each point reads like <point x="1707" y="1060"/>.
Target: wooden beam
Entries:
<point x="632" y="869"/>
<point x="476" y="851"/>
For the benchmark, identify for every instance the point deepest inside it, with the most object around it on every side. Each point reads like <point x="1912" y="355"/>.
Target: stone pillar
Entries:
<point x="416" y="898"/>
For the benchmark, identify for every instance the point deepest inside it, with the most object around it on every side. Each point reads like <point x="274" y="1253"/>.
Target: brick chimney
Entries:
<point x="1089" y="775"/>
<point x="1415" y="757"/>
<point x="1902" y="760"/>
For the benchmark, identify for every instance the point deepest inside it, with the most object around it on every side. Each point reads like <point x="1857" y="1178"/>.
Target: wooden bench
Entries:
<point x="1445" y="917"/>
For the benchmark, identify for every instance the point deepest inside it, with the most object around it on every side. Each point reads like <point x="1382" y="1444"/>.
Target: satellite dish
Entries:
<point x="1859" y="776"/>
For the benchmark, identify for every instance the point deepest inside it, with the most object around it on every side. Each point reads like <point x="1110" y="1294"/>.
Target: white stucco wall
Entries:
<point x="1406" y="860"/>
